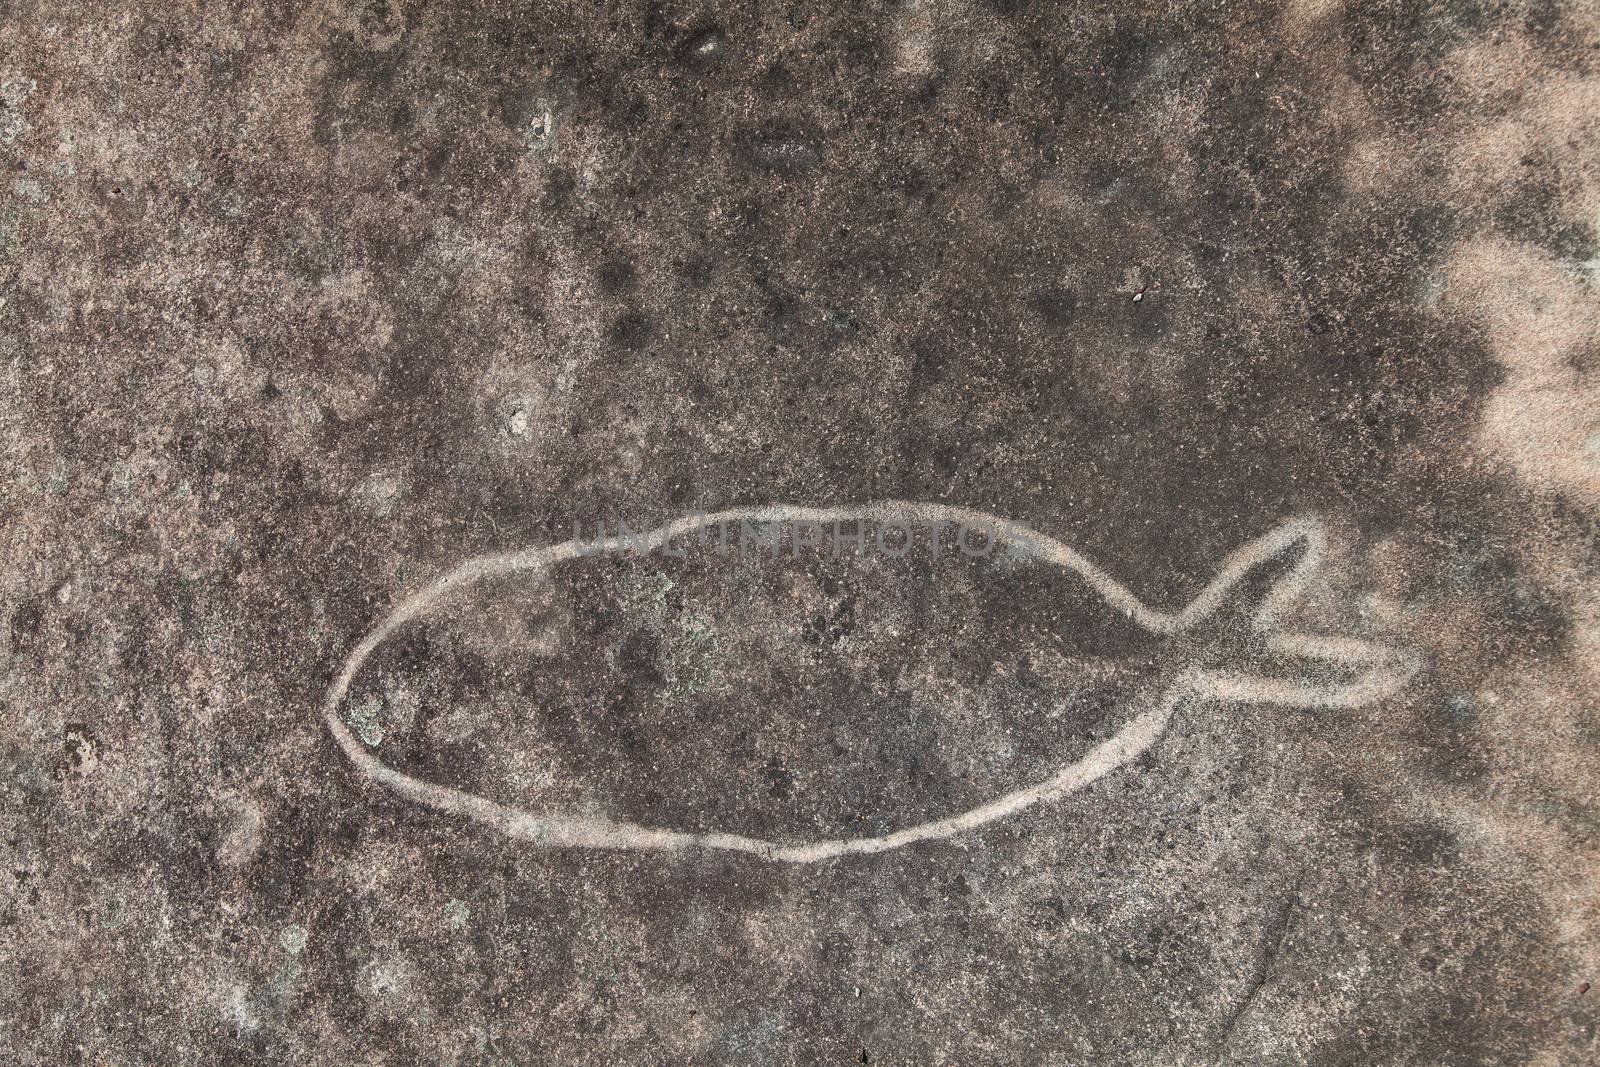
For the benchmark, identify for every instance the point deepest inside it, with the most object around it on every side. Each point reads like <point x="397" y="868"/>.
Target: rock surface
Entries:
<point x="300" y="307"/>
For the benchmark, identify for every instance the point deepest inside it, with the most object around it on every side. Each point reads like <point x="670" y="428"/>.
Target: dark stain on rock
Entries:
<point x="630" y="330"/>
<point x="1056" y="306"/>
<point x="639" y="658"/>
<point x="27" y="619"/>
<point x="616" y="276"/>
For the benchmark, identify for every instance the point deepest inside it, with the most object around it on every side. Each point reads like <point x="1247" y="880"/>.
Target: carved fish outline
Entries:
<point x="1377" y="671"/>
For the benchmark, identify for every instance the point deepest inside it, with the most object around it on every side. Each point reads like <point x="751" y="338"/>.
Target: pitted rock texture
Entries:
<point x="302" y="305"/>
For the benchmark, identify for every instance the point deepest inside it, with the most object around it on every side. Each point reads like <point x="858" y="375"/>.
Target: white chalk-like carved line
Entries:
<point x="1376" y="671"/>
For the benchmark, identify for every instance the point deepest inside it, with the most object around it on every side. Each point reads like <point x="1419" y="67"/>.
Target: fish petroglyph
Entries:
<point x="1368" y="671"/>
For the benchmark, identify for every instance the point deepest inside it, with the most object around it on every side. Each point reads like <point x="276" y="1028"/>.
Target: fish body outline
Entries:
<point x="1378" y="671"/>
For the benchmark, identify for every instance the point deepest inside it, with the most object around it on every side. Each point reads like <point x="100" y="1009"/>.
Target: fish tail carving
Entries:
<point x="1259" y="584"/>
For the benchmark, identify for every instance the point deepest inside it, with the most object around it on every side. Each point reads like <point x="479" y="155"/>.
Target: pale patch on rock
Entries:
<point x="520" y="417"/>
<point x="539" y="135"/>
<point x="1537" y="728"/>
<point x="13" y="91"/>
<point x="1303" y="17"/>
<point x="1543" y="324"/>
<point x="224" y="371"/>
<point x="378" y="27"/>
<point x="366" y="719"/>
<point x="388" y="983"/>
<point x="83" y="751"/>
<point x="239" y="1010"/>
<point x="533" y="619"/>
<point x="241" y="834"/>
<point x="30" y="190"/>
<point x="913" y="37"/>
<point x="350" y="396"/>
<point x="367" y="160"/>
<point x="352" y="312"/>
<point x="1375" y="162"/>
<point x="293" y="939"/>
<point x="379" y="492"/>
<point x="1539" y="116"/>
